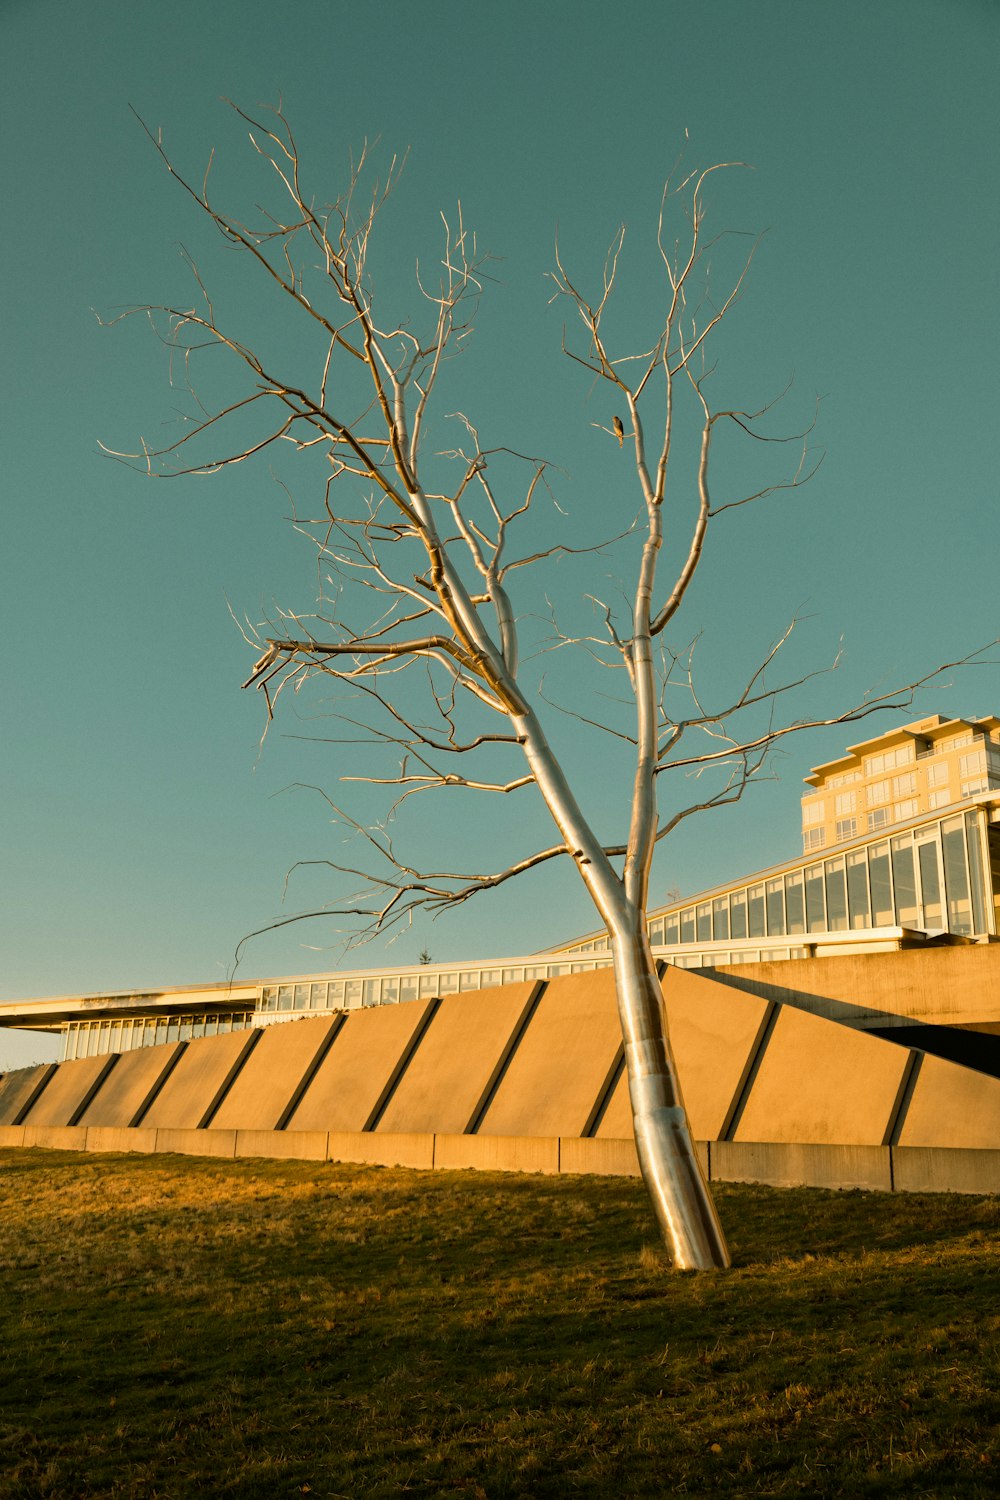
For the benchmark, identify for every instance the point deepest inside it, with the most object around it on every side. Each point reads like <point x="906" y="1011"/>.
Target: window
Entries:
<point x="813" y="838"/>
<point x="847" y="828"/>
<point x="776" y="908"/>
<point x="976" y="872"/>
<point x="903" y="755"/>
<point x="738" y="913"/>
<point x="812" y="810"/>
<point x="720" y="919"/>
<point x="878" y="819"/>
<point x="881" y="885"/>
<point x="878" y="793"/>
<point x="836" y="895"/>
<point x="755" y="901"/>
<point x="704" y="923"/>
<point x="845" y="803"/>
<point x="843" y="779"/>
<point x="857" y="890"/>
<point x="970" y="764"/>
<point x="815" y="907"/>
<point x="904" y="881"/>
<point x="956" y="877"/>
<point x="973" y="788"/>
<point x="937" y="775"/>
<point x="940" y="799"/>
<point x="794" y="903"/>
<point x="907" y="809"/>
<point x="903" y="786"/>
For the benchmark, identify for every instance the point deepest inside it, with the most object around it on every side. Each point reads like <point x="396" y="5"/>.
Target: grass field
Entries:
<point x="182" y="1327"/>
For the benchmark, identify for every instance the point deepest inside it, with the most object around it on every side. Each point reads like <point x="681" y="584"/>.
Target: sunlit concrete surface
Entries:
<point x="798" y="1164"/>
<point x="403" y="1149"/>
<point x="497" y="1153"/>
<point x="263" y="1088"/>
<point x="360" y="1068"/>
<point x="300" y="1145"/>
<point x="65" y="1096"/>
<point x="453" y="1069"/>
<point x="952" y="1106"/>
<point x="562" y="1063"/>
<point x="17" y="1090"/>
<point x="198" y="1081"/>
<point x="713" y="1035"/>
<point x="822" y="1084"/>
<point x="925" y="986"/>
<point x="131" y="1083"/>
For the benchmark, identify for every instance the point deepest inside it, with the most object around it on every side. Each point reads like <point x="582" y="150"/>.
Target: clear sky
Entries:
<point x="143" y="833"/>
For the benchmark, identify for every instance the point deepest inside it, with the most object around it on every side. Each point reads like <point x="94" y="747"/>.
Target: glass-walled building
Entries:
<point x="902" y="833"/>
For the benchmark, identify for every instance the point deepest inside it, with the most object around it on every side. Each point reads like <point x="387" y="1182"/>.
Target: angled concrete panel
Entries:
<point x="359" y="1068"/>
<point x="68" y="1090"/>
<point x="266" y="1083"/>
<point x="129" y="1084"/>
<point x="18" y="1089"/>
<point x="713" y="1031"/>
<point x="196" y="1081"/>
<point x="952" y="1106"/>
<point x="819" y="1083"/>
<point x="561" y="1063"/>
<point x="456" y="1061"/>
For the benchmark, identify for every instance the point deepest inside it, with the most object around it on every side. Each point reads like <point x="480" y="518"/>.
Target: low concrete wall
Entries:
<point x="930" y="1170"/>
<point x="778" y="1164"/>
<point x="782" y="1164"/>
<point x="300" y="1145"/>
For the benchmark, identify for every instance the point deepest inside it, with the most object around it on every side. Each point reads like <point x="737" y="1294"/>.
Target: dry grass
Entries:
<point x="179" y="1327"/>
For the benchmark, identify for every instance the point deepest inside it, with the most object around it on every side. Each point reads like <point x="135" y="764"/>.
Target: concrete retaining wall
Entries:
<point x="875" y="1168"/>
<point x="530" y="1077"/>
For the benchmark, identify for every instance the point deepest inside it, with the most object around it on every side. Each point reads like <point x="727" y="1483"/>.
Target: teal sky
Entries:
<point x="143" y="833"/>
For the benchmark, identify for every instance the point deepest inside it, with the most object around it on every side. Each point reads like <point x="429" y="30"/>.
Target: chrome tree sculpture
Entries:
<point x="426" y="590"/>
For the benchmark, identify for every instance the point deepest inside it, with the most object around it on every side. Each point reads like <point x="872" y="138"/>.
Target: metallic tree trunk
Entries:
<point x="669" y="1164"/>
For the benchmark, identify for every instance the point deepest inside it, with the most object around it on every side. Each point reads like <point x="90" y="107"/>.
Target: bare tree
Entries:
<point x="424" y="601"/>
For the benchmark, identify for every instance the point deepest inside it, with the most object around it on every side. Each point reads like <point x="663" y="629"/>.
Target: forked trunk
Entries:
<point x="669" y="1164"/>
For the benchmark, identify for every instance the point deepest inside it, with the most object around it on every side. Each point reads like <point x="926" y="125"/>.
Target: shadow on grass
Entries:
<point x="176" y="1327"/>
